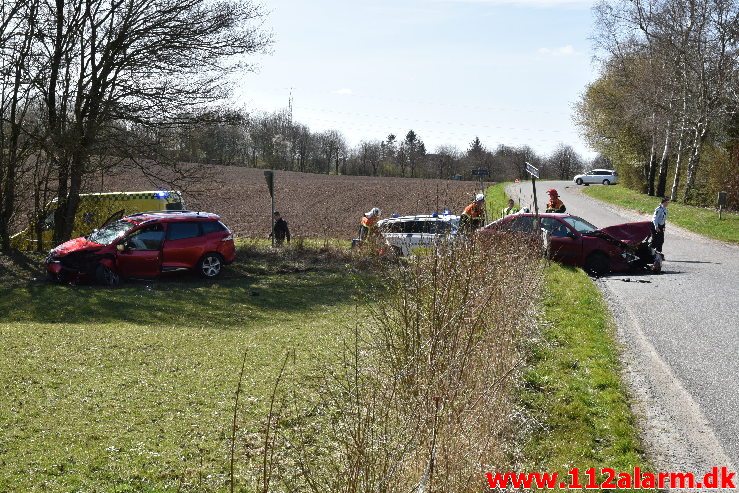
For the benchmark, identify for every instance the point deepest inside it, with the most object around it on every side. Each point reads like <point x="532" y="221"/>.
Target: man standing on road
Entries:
<point x="658" y="225"/>
<point x="554" y="204"/>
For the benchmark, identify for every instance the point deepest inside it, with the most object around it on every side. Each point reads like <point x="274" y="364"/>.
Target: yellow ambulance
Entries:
<point x="95" y="209"/>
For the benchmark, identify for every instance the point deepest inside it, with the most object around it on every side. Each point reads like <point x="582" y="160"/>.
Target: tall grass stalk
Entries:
<point x="423" y="399"/>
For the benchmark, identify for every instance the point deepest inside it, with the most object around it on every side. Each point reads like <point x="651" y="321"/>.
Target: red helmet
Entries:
<point x="552" y="191"/>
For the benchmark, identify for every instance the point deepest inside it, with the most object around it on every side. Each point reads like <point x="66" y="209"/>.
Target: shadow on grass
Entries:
<point x="253" y="288"/>
<point x="183" y="301"/>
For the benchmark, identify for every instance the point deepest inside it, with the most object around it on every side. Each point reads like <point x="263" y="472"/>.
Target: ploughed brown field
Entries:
<point x="315" y="206"/>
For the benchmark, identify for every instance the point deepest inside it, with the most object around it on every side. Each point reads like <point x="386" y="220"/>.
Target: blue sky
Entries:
<point x="507" y="71"/>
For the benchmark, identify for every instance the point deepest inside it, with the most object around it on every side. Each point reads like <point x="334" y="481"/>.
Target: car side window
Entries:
<point x="410" y="227"/>
<point x="522" y="224"/>
<point x="148" y="238"/>
<point x="554" y="226"/>
<point x="182" y="231"/>
<point x="212" y="227"/>
<point x="440" y="227"/>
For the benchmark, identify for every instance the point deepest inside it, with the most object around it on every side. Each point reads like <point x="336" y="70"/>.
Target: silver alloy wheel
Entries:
<point x="579" y="181"/>
<point x="210" y="265"/>
<point x="606" y="182"/>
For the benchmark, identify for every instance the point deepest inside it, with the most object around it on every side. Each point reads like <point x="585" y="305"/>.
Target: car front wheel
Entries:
<point x="210" y="265"/>
<point x="579" y="181"/>
<point x="606" y="182"/>
<point x="107" y="277"/>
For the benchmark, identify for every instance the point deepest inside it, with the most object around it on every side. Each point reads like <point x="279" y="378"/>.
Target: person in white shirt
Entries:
<point x="658" y="225"/>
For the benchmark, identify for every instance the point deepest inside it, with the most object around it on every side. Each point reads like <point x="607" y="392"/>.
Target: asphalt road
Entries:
<point x="679" y="332"/>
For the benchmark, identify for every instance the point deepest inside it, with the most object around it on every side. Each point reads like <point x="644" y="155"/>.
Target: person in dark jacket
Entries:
<point x="281" y="232"/>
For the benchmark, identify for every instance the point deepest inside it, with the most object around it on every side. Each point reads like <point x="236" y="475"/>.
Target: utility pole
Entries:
<point x="270" y="177"/>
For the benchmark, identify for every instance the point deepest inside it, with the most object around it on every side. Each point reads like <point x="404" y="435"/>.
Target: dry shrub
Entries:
<point x="423" y="400"/>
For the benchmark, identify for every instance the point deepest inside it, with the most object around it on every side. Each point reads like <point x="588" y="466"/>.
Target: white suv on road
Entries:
<point x="604" y="176"/>
<point x="404" y="234"/>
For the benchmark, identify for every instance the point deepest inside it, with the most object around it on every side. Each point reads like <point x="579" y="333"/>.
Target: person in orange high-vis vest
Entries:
<point x="473" y="215"/>
<point x="368" y="222"/>
<point x="554" y="204"/>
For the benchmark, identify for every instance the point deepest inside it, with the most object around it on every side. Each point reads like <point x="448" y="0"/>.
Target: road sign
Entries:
<point x="270" y="177"/>
<point x="722" y="198"/>
<point x="531" y="169"/>
<point x="480" y="172"/>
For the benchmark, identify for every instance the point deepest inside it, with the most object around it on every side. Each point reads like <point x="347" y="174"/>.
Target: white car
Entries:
<point x="404" y="234"/>
<point x="604" y="176"/>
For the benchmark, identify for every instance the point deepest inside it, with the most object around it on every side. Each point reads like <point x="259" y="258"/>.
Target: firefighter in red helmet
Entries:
<point x="554" y="204"/>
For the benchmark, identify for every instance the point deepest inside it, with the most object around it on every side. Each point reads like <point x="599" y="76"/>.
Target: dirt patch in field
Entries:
<point x="315" y="206"/>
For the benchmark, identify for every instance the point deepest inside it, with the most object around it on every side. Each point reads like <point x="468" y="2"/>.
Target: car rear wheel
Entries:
<point x="606" y="182"/>
<point x="579" y="181"/>
<point x="107" y="277"/>
<point x="597" y="264"/>
<point x="210" y="266"/>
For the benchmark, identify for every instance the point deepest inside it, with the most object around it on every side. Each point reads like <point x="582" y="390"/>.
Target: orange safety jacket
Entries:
<point x="473" y="210"/>
<point x="368" y="222"/>
<point x="554" y="204"/>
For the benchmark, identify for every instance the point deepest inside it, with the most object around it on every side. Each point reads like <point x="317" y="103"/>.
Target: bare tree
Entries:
<point x="98" y="63"/>
<point x="565" y="162"/>
<point x="17" y="106"/>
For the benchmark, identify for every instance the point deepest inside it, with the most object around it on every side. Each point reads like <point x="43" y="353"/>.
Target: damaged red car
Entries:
<point x="145" y="245"/>
<point x="572" y="240"/>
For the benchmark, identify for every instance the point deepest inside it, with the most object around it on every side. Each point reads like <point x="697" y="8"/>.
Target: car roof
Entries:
<point x="510" y="217"/>
<point x="171" y="216"/>
<point x="422" y="217"/>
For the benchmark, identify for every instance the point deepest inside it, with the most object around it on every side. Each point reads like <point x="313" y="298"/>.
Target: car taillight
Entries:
<point x="228" y="238"/>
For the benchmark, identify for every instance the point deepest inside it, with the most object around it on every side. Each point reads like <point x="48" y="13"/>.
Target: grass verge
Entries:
<point x="696" y="219"/>
<point x="496" y="200"/>
<point x="573" y="387"/>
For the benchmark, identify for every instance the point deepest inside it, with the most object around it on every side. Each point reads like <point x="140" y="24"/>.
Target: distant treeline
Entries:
<point x="274" y="141"/>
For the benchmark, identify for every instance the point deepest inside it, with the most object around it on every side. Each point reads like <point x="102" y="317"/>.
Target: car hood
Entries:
<point x="629" y="233"/>
<point x="75" y="245"/>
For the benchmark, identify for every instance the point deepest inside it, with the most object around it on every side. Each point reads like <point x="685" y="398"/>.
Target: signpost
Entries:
<point x="481" y="173"/>
<point x="534" y="175"/>
<point x="270" y="177"/>
<point x="722" y="198"/>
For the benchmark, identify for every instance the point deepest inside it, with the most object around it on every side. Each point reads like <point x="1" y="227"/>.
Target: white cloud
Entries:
<point x="344" y="91"/>
<point x="561" y="51"/>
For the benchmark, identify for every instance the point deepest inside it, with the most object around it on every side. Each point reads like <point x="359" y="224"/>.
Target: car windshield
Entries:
<point x="580" y="224"/>
<point x="111" y="232"/>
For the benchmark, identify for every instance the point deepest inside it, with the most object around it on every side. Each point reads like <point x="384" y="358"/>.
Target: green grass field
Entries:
<point x="132" y="389"/>
<point x="696" y="219"/>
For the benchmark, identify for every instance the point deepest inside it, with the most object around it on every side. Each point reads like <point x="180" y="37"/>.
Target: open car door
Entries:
<point x="113" y="217"/>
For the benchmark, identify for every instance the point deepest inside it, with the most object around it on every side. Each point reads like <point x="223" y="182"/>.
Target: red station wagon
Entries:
<point x="145" y="245"/>
<point x="574" y="241"/>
